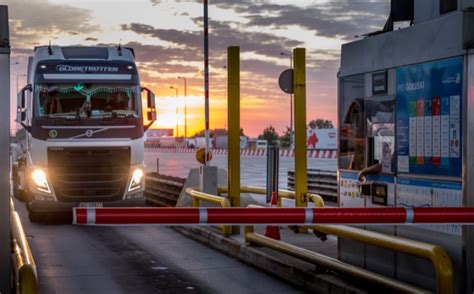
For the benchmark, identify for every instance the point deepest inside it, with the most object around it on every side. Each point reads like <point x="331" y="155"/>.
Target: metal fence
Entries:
<point x="162" y="190"/>
<point x="320" y="182"/>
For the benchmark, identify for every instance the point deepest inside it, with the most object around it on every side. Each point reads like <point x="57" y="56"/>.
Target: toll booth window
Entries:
<point x="352" y="147"/>
<point x="87" y="101"/>
<point x="446" y="6"/>
<point x="380" y="115"/>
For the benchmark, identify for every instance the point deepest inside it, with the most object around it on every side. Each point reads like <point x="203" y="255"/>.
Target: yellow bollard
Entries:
<point x="299" y="86"/>
<point x="233" y="122"/>
<point x="195" y="202"/>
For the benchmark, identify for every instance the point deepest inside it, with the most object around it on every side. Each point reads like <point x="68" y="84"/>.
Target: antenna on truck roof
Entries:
<point x="119" y="49"/>
<point x="50" y="51"/>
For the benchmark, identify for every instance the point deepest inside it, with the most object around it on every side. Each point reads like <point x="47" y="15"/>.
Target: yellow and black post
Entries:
<point x="233" y="122"/>
<point x="299" y="86"/>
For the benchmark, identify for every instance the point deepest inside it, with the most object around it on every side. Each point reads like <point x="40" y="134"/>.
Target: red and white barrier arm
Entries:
<point x="270" y="216"/>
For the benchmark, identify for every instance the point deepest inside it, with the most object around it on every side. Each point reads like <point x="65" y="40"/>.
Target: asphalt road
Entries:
<point x="75" y="259"/>
<point x="253" y="168"/>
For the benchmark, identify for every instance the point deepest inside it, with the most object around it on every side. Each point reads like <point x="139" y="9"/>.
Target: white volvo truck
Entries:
<point x="82" y="140"/>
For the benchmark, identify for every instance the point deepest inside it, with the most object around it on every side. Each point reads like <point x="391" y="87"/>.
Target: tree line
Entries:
<point x="271" y="135"/>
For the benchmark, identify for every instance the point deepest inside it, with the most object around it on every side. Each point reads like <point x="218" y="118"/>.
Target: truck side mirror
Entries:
<point x="151" y="113"/>
<point x="21" y="102"/>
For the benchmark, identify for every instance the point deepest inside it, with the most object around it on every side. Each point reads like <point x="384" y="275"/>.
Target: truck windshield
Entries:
<point x="89" y="101"/>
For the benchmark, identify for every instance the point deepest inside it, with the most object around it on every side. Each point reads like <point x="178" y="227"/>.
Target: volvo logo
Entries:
<point x="53" y="133"/>
<point x="89" y="133"/>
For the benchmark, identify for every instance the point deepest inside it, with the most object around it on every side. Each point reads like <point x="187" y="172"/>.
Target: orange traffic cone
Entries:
<point x="273" y="231"/>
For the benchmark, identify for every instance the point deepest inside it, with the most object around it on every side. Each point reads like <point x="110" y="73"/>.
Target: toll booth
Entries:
<point x="406" y="117"/>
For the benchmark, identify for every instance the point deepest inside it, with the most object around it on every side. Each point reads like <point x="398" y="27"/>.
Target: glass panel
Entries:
<point x="87" y="101"/>
<point x="352" y="123"/>
<point x="380" y="113"/>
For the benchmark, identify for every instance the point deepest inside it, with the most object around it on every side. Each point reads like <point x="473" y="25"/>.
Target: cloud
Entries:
<point x="32" y="21"/>
<point x="222" y="35"/>
<point x="343" y="19"/>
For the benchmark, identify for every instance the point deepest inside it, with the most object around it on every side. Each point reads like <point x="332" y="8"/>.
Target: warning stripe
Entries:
<point x="327" y="154"/>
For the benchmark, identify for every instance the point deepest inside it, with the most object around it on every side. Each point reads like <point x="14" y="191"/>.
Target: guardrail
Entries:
<point x="328" y="262"/>
<point x="198" y="196"/>
<point x="316" y="199"/>
<point x="24" y="267"/>
<point x="162" y="190"/>
<point x="320" y="182"/>
<point x="437" y="255"/>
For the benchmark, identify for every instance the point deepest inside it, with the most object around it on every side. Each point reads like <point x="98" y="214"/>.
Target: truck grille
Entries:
<point x="89" y="174"/>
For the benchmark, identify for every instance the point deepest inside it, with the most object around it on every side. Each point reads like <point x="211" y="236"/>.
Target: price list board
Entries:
<point x="349" y="194"/>
<point x="429" y="193"/>
<point x="429" y="116"/>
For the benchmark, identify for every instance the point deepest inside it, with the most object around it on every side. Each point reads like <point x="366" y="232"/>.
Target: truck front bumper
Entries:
<point x="61" y="207"/>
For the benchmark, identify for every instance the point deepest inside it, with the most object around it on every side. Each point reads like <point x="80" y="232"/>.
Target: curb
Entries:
<point x="303" y="277"/>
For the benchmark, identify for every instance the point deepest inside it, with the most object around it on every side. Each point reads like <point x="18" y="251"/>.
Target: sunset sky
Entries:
<point x="167" y="38"/>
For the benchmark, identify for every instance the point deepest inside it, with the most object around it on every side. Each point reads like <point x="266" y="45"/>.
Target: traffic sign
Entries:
<point x="285" y="81"/>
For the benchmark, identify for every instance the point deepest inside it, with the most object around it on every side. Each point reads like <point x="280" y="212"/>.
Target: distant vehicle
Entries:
<point x="243" y="142"/>
<point x="257" y="144"/>
<point x="82" y="142"/>
<point x="321" y="138"/>
<point x="220" y="141"/>
<point x="153" y="135"/>
<point x="199" y="142"/>
<point x="166" y="142"/>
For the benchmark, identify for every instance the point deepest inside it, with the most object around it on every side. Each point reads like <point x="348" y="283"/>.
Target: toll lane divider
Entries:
<point x="270" y="216"/>
<point x="323" y="153"/>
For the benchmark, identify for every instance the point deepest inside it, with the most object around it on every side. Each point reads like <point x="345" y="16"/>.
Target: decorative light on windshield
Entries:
<point x="129" y="67"/>
<point x="79" y="87"/>
<point x="43" y="66"/>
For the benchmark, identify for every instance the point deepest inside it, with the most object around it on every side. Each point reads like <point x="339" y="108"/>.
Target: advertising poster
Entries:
<point x="429" y="113"/>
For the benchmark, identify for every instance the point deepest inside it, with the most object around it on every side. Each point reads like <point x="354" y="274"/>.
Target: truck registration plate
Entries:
<point x="91" y="204"/>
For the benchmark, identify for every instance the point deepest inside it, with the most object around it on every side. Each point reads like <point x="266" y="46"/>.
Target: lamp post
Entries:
<point x="291" y="101"/>
<point x="177" y="118"/>
<point x="185" y="112"/>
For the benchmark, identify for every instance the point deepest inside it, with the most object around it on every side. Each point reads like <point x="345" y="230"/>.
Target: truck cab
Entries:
<point x="83" y="116"/>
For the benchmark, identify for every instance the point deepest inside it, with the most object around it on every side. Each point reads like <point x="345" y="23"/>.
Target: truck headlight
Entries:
<point x="136" y="181"/>
<point x="39" y="177"/>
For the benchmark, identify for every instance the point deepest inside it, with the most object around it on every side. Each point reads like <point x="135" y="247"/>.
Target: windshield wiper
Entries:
<point x="62" y="119"/>
<point x="113" y="117"/>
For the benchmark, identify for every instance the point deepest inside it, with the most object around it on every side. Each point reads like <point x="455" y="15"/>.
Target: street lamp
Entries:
<point x="291" y="101"/>
<point x="185" y="111"/>
<point x="177" y="118"/>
